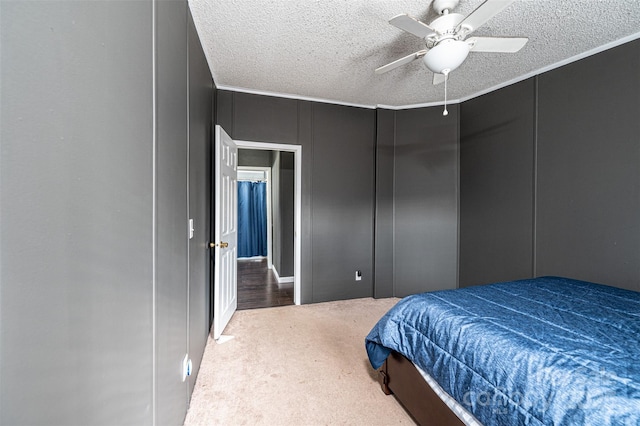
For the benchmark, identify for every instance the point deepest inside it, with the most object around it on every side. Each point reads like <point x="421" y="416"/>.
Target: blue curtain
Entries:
<point x="252" y="219"/>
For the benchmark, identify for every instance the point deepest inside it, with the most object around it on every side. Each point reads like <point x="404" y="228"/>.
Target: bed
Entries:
<point x="541" y="351"/>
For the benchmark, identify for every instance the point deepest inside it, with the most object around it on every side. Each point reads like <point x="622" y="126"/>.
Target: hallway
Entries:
<point x="259" y="288"/>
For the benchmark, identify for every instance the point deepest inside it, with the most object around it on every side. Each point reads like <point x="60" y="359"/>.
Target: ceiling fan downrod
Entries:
<point x="443" y="7"/>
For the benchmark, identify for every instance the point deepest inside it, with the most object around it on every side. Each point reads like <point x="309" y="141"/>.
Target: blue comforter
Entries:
<point x="541" y="351"/>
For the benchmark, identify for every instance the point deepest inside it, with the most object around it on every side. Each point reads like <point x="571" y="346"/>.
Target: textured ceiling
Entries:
<point x="328" y="49"/>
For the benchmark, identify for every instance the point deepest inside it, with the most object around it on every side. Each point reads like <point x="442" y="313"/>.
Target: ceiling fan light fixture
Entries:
<point x="447" y="55"/>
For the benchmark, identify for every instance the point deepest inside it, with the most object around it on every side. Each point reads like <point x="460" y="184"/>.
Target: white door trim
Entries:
<point x="297" y="234"/>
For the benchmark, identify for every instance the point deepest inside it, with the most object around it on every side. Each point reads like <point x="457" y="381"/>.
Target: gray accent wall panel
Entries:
<point x="200" y="127"/>
<point x="496" y="185"/>
<point x="287" y="222"/>
<point x="426" y="200"/>
<point x="589" y="169"/>
<point x="282" y="206"/>
<point x="171" y="211"/>
<point x="265" y="118"/>
<point x="224" y="110"/>
<point x="75" y="209"/>
<point x="254" y="157"/>
<point x="343" y="201"/>
<point x="384" y="238"/>
<point x="275" y="210"/>
<point x="305" y="139"/>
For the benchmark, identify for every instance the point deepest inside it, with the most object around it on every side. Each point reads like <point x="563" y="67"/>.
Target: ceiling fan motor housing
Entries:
<point x="445" y="27"/>
<point x="447" y="23"/>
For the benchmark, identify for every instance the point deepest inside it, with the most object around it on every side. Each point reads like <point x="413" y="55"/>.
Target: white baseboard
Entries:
<point x="252" y="258"/>
<point x="282" y="280"/>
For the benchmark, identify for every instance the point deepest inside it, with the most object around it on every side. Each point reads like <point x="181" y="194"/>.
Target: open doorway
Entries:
<point x="266" y="226"/>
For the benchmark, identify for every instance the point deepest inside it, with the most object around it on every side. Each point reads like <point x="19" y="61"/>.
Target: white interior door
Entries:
<point x="226" y="231"/>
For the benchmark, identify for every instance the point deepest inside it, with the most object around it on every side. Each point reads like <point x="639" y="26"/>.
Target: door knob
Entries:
<point x="221" y="245"/>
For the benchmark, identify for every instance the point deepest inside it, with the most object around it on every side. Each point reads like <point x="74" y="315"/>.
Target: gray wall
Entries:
<point x="337" y="146"/>
<point x="76" y="201"/>
<point x="254" y="158"/>
<point x="80" y="287"/>
<point x="275" y="210"/>
<point x="583" y="180"/>
<point x="200" y="192"/>
<point x="588" y="169"/>
<point x="384" y="253"/>
<point x="171" y="209"/>
<point x="416" y="248"/>
<point x="286" y="226"/>
<point x="415" y="168"/>
<point x="343" y="201"/>
<point x="425" y="200"/>
<point x="496" y="185"/>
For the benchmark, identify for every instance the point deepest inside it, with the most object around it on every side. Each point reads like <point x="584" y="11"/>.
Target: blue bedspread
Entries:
<point x="541" y="351"/>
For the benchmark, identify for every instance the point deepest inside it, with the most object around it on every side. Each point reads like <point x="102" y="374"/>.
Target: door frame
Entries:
<point x="297" y="204"/>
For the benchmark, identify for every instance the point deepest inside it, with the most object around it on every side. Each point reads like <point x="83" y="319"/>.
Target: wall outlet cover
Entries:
<point x="186" y="370"/>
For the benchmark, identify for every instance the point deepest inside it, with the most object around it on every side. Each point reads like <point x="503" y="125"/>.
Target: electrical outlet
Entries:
<point x="358" y="275"/>
<point x="186" y="367"/>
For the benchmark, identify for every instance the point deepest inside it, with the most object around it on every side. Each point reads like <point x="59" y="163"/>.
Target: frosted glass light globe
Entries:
<point x="447" y="55"/>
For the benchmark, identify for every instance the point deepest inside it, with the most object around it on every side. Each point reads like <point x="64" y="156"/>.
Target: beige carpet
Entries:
<point x="295" y="365"/>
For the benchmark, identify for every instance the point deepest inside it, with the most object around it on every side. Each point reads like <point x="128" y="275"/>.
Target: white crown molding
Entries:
<point x="415" y="106"/>
<point x="290" y="96"/>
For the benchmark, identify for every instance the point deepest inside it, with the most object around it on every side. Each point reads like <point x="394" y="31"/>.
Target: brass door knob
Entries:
<point x="221" y="245"/>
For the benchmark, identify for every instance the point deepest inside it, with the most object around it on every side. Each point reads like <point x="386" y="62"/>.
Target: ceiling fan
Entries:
<point x="447" y="45"/>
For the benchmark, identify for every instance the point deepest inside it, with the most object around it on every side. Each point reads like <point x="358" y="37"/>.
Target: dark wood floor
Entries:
<point x="258" y="287"/>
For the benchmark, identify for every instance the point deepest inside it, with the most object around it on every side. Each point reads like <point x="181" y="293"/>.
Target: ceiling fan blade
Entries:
<point x="439" y="78"/>
<point x="483" y="13"/>
<point x="411" y="25"/>
<point x="496" y="44"/>
<point x="401" y="61"/>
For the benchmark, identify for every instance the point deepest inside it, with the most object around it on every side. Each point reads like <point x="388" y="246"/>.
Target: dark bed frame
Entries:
<point x="399" y="377"/>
